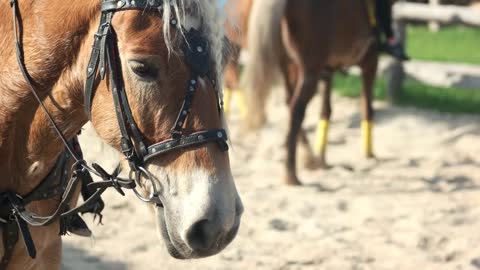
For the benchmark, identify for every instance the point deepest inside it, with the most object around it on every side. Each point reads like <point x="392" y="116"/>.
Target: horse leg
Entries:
<point x="232" y="82"/>
<point x="369" y="70"/>
<point x="321" y="141"/>
<point x="227" y="99"/>
<point x="308" y="156"/>
<point x="305" y="90"/>
<point x="290" y="76"/>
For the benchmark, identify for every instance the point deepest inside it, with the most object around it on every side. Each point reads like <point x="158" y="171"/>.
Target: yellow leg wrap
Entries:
<point x="241" y="102"/>
<point x="371" y="13"/>
<point x="367" y="127"/>
<point x="322" y="137"/>
<point x="227" y="98"/>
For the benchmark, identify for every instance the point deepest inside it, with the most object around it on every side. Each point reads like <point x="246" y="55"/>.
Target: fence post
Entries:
<point x="434" y="26"/>
<point x="395" y="73"/>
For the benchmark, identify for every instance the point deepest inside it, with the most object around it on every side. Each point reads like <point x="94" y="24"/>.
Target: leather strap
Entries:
<point x="185" y="109"/>
<point x="96" y="58"/>
<point x="10" y="239"/>
<point x="195" y="139"/>
<point x="115" y="5"/>
<point x="26" y="236"/>
<point x="17" y="29"/>
<point x="124" y="114"/>
<point x="16" y="218"/>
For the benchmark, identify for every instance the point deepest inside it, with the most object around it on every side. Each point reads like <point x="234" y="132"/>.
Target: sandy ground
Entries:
<point x="416" y="207"/>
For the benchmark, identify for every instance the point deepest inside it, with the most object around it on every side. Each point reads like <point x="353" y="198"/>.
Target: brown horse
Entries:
<point x="306" y="41"/>
<point x="236" y="29"/>
<point x="200" y="209"/>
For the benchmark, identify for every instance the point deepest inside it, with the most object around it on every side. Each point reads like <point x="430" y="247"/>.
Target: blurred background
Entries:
<point x="444" y="72"/>
<point x="415" y="206"/>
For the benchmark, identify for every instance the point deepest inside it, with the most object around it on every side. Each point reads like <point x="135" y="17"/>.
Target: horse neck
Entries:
<point x="55" y="37"/>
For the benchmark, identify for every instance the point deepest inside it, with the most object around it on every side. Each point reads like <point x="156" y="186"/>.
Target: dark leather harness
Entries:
<point x="105" y="58"/>
<point x="56" y="183"/>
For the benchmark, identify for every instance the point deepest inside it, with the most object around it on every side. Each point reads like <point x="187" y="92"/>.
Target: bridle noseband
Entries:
<point x="105" y="56"/>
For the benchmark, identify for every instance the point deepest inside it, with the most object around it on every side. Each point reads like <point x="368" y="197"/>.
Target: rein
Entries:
<point x="105" y="57"/>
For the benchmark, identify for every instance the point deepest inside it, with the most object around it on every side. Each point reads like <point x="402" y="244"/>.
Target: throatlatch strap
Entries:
<point x="96" y="58"/>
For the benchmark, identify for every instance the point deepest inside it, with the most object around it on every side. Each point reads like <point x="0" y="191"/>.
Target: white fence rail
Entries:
<point x="404" y="13"/>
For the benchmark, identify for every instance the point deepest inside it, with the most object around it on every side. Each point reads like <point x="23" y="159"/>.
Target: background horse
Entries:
<point x="200" y="209"/>
<point x="236" y="28"/>
<point x="306" y="41"/>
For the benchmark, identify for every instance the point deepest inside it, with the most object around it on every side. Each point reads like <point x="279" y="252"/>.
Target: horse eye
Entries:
<point x="143" y="69"/>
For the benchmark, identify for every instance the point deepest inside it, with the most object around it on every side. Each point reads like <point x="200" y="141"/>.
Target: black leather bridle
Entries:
<point x="105" y="56"/>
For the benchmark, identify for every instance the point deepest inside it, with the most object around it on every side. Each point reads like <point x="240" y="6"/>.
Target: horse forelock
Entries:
<point x="206" y="15"/>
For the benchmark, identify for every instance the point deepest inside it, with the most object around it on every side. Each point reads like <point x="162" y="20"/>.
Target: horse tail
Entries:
<point x="265" y="49"/>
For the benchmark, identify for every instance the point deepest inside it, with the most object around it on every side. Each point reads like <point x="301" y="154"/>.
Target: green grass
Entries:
<point x="450" y="44"/>
<point x="442" y="99"/>
<point x="350" y="86"/>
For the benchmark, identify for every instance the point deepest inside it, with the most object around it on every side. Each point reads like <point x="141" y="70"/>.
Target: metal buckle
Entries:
<point x="127" y="148"/>
<point x="103" y="26"/>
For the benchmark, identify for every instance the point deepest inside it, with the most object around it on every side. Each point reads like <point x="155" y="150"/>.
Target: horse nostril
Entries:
<point x="200" y="235"/>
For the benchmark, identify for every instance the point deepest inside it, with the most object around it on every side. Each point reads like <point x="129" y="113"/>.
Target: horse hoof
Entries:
<point x="293" y="181"/>
<point x="370" y="156"/>
<point x="315" y="164"/>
